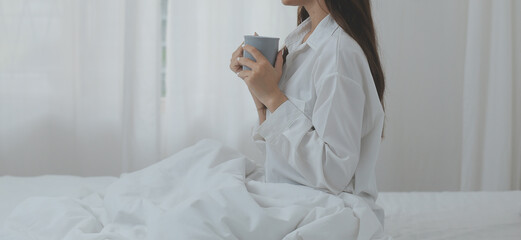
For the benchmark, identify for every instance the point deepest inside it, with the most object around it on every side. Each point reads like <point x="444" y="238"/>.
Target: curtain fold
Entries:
<point x="79" y="86"/>
<point x="141" y="85"/>
<point x="491" y="158"/>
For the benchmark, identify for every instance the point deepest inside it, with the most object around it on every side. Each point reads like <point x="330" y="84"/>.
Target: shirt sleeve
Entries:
<point x="325" y="149"/>
<point x="259" y="141"/>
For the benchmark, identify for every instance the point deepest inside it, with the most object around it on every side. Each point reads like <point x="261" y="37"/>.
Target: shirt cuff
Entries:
<point x="255" y="133"/>
<point x="281" y="119"/>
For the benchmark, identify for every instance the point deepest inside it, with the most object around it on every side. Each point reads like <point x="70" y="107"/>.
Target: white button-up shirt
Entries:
<point x="327" y="135"/>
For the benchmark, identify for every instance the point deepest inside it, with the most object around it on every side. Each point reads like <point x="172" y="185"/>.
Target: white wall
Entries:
<point x="423" y="49"/>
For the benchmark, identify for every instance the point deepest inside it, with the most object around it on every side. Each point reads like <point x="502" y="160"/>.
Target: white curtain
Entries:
<point x="205" y="99"/>
<point x="79" y="86"/>
<point x="80" y="81"/>
<point x="491" y="148"/>
<point x="80" y="89"/>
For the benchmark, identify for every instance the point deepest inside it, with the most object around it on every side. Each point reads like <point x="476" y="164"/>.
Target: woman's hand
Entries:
<point x="263" y="79"/>
<point x="236" y="67"/>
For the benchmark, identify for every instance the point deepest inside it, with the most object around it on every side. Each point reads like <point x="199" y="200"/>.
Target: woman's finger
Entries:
<point x="255" y="53"/>
<point x="246" y="62"/>
<point x="244" y="74"/>
<point x="234" y="65"/>
<point x="238" y="51"/>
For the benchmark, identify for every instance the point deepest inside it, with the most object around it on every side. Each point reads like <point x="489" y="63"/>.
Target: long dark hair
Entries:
<point x="354" y="16"/>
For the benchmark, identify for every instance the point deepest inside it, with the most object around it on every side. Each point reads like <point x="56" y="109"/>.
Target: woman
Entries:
<point x="321" y="108"/>
<point x="320" y="126"/>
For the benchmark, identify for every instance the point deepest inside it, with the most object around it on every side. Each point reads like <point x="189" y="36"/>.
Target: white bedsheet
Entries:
<point x="206" y="191"/>
<point x="416" y="215"/>
<point x="453" y="215"/>
<point x="14" y="190"/>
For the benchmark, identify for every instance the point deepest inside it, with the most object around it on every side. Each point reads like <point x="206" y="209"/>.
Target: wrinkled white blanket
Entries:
<point x="206" y="191"/>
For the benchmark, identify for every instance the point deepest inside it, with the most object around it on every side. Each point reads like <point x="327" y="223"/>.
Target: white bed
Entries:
<point x="416" y="215"/>
<point x="452" y="215"/>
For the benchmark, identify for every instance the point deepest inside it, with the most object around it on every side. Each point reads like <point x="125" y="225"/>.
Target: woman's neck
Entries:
<point x="316" y="13"/>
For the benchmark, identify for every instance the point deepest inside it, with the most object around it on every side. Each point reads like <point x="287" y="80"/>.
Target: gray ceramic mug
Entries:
<point x="268" y="46"/>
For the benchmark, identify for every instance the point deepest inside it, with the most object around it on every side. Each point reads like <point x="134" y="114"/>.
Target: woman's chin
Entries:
<point x="292" y="2"/>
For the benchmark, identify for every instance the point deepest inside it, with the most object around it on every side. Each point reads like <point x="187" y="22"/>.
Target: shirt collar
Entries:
<point x="324" y="29"/>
